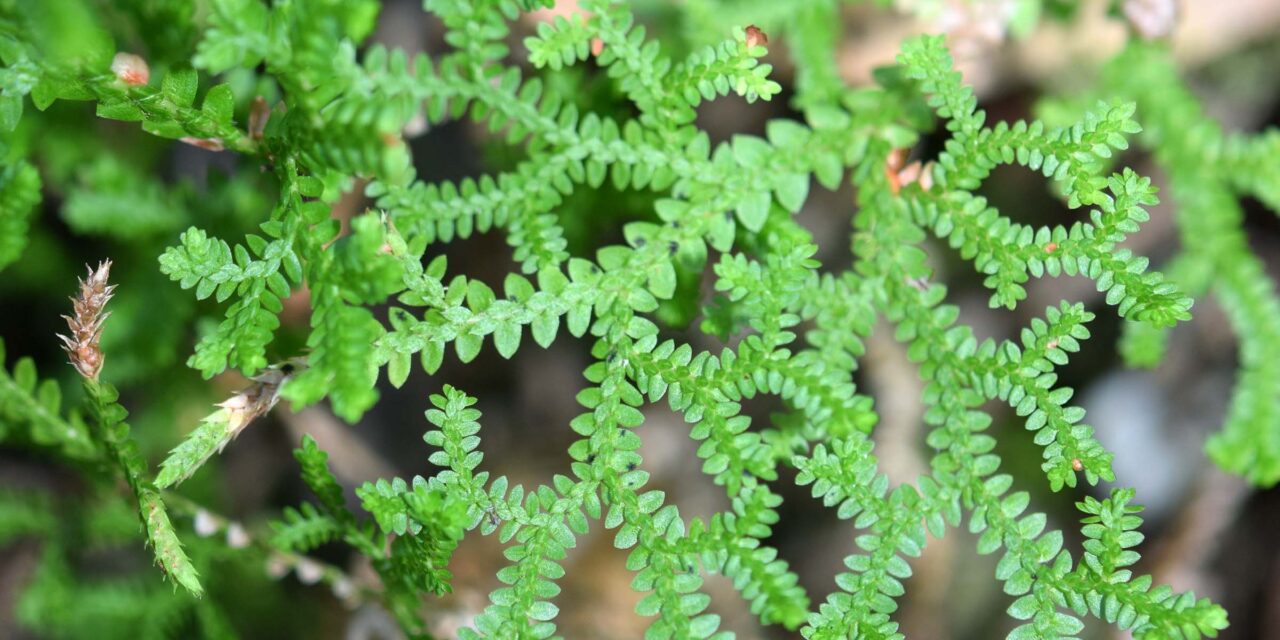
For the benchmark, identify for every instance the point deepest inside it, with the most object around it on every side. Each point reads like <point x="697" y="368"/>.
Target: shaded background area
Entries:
<point x="1205" y="531"/>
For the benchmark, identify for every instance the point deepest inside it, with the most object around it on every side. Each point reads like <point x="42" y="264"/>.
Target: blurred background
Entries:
<point x="1205" y="531"/>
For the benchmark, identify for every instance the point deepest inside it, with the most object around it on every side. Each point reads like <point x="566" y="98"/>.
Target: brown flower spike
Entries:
<point x="86" y="324"/>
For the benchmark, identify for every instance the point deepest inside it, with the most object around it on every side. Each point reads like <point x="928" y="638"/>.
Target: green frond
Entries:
<point x="210" y="437"/>
<point x="730" y="66"/>
<point x="112" y="433"/>
<point x="343" y="364"/>
<point x="303" y="529"/>
<point x="428" y="523"/>
<point x="1107" y="589"/>
<point x="27" y="513"/>
<point x="1216" y="255"/>
<point x="211" y="267"/>
<point x="18" y="77"/>
<point x="114" y="200"/>
<point x="35" y="408"/>
<point x="1022" y="375"/>
<point x="634" y="61"/>
<point x="19" y="195"/>
<point x="1073" y="156"/>
<point x="845" y="477"/>
<point x="1252" y="166"/>
<point x="165" y="543"/>
<point x="927" y="60"/>
<point x="561" y="42"/>
<point x="813" y="36"/>
<point x="315" y="472"/>
<point x="236" y="36"/>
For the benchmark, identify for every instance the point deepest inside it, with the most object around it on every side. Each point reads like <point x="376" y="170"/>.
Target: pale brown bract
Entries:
<point x="257" y="399"/>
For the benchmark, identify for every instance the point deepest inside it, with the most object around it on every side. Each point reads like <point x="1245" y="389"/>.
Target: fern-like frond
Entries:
<point x="1216" y="254"/>
<point x="303" y="529"/>
<point x="19" y="195"/>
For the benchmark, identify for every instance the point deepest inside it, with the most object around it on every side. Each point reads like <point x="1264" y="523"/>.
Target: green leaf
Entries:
<point x="507" y="339"/>
<point x="543" y="610"/>
<point x="219" y="103"/>
<point x="662" y="281"/>
<point x="10" y="111"/>
<point x="754" y="209"/>
<point x="792" y="190"/>
<point x="398" y="367"/>
<point x="180" y="85"/>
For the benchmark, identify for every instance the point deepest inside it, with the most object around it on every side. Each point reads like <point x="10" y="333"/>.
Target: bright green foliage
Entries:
<point x="1209" y="170"/>
<point x="355" y="272"/>
<point x="19" y="195"/>
<point x="421" y="526"/>
<point x="542" y="523"/>
<point x="209" y="265"/>
<point x="337" y="110"/>
<point x="53" y="51"/>
<point x="1109" y="589"/>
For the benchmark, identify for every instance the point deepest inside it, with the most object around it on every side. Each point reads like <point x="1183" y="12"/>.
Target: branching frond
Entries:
<point x="332" y="120"/>
<point x="1216" y="255"/>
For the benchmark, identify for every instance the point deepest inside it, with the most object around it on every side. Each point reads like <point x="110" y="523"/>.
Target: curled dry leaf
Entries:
<point x="259" y="114"/>
<point x="916" y="173"/>
<point x="901" y="174"/>
<point x="756" y="37"/>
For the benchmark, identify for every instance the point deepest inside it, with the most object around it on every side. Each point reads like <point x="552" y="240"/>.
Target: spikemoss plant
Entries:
<point x="303" y="99"/>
